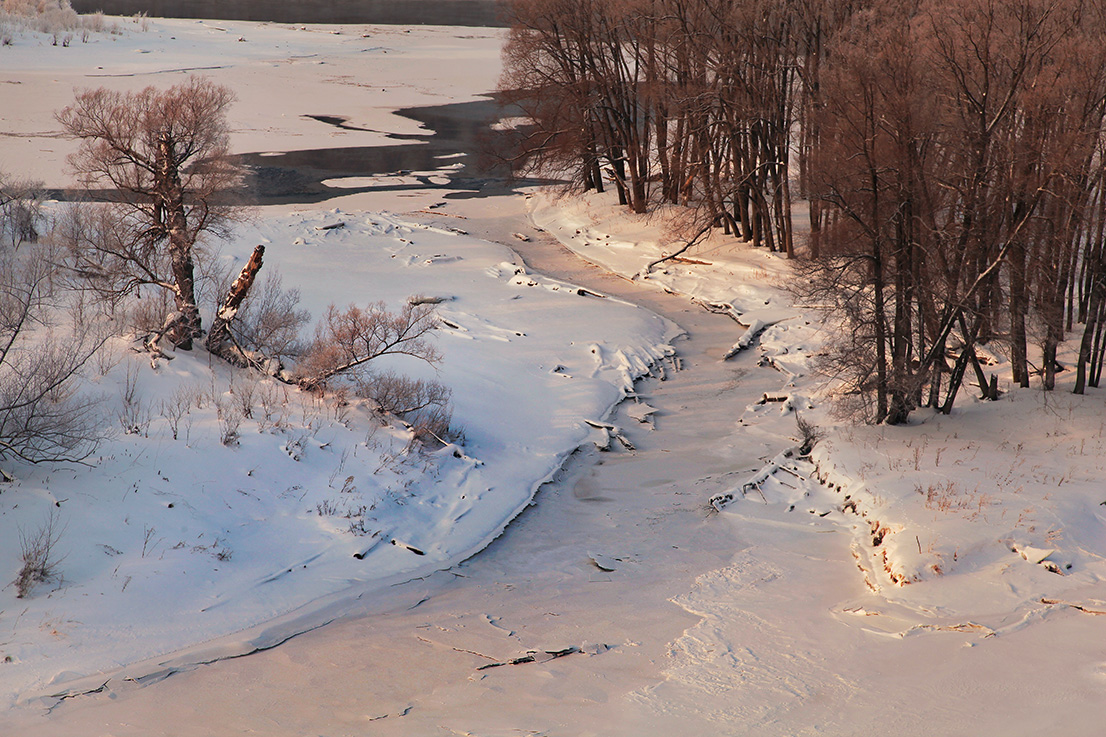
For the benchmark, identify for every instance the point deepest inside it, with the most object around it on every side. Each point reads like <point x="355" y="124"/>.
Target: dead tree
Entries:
<point x="220" y="341"/>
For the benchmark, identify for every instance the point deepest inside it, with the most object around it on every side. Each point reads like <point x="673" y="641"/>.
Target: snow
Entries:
<point x="983" y="523"/>
<point x="711" y="274"/>
<point x="280" y="74"/>
<point x="910" y="579"/>
<point x="172" y="542"/>
<point x="184" y="531"/>
<point x="991" y="508"/>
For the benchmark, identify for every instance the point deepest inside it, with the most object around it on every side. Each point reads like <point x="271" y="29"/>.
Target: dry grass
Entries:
<point x="39" y="556"/>
<point x="55" y="17"/>
<point x="949" y="497"/>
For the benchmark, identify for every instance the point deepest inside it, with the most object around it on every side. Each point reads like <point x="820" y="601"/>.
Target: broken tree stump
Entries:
<point x="220" y="342"/>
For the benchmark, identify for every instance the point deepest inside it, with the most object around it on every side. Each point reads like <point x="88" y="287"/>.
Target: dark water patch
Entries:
<point x="481" y="13"/>
<point x="459" y="133"/>
<point x="297" y="177"/>
<point x="339" y="122"/>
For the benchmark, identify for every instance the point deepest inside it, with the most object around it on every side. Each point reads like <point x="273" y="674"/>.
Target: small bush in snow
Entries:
<point x="174" y="408"/>
<point x="809" y="434"/>
<point x="422" y="404"/>
<point x="242" y="393"/>
<point x="134" y="417"/>
<point x="38" y="554"/>
<point x="274" y="407"/>
<point x="230" y="419"/>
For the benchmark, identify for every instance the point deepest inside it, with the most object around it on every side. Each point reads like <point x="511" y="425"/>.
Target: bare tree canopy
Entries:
<point x="953" y="154"/>
<point x="682" y="103"/>
<point x="162" y="156"/>
<point x="961" y="172"/>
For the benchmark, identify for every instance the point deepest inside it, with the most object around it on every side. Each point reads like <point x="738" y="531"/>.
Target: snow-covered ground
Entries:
<point x="985" y="519"/>
<point x="222" y="506"/>
<point x="980" y="524"/>
<point x="178" y="535"/>
<point x="938" y="578"/>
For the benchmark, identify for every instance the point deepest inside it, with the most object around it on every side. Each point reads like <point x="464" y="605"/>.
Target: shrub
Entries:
<point x="347" y="340"/>
<point x="40" y="561"/>
<point x="270" y="322"/>
<point x="422" y="404"/>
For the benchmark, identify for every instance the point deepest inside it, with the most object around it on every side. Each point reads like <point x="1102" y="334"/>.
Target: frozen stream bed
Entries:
<point x="622" y="603"/>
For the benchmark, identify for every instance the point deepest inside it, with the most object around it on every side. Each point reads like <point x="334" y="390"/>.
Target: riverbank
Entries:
<point x="622" y="603"/>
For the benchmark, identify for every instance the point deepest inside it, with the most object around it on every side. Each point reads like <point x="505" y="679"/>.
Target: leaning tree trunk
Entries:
<point x="220" y="342"/>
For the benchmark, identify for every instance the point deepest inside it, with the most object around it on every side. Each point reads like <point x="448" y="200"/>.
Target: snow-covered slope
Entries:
<point x="179" y="534"/>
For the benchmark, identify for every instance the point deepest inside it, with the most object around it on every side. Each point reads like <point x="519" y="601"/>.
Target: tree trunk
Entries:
<point x="220" y="342"/>
<point x="186" y="327"/>
<point x="1019" y="364"/>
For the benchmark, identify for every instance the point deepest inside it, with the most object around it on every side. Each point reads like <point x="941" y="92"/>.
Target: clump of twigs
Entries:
<point x="809" y="434"/>
<point x="39" y="556"/>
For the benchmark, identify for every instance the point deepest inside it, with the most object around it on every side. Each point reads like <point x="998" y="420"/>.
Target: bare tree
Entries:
<point x="347" y="340"/>
<point x="20" y="209"/>
<point x="162" y="156"/>
<point x="42" y="418"/>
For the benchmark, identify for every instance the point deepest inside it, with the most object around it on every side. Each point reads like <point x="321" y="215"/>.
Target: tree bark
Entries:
<point x="220" y="342"/>
<point x="187" y="326"/>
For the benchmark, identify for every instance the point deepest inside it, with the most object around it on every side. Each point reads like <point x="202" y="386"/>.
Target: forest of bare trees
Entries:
<point x="951" y="153"/>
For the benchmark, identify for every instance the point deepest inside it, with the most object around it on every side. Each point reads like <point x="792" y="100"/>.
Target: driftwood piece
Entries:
<point x="756" y="327"/>
<point x="532" y="657"/>
<point x="607" y="432"/>
<point x="405" y="546"/>
<point x="1078" y="607"/>
<point x="152" y="343"/>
